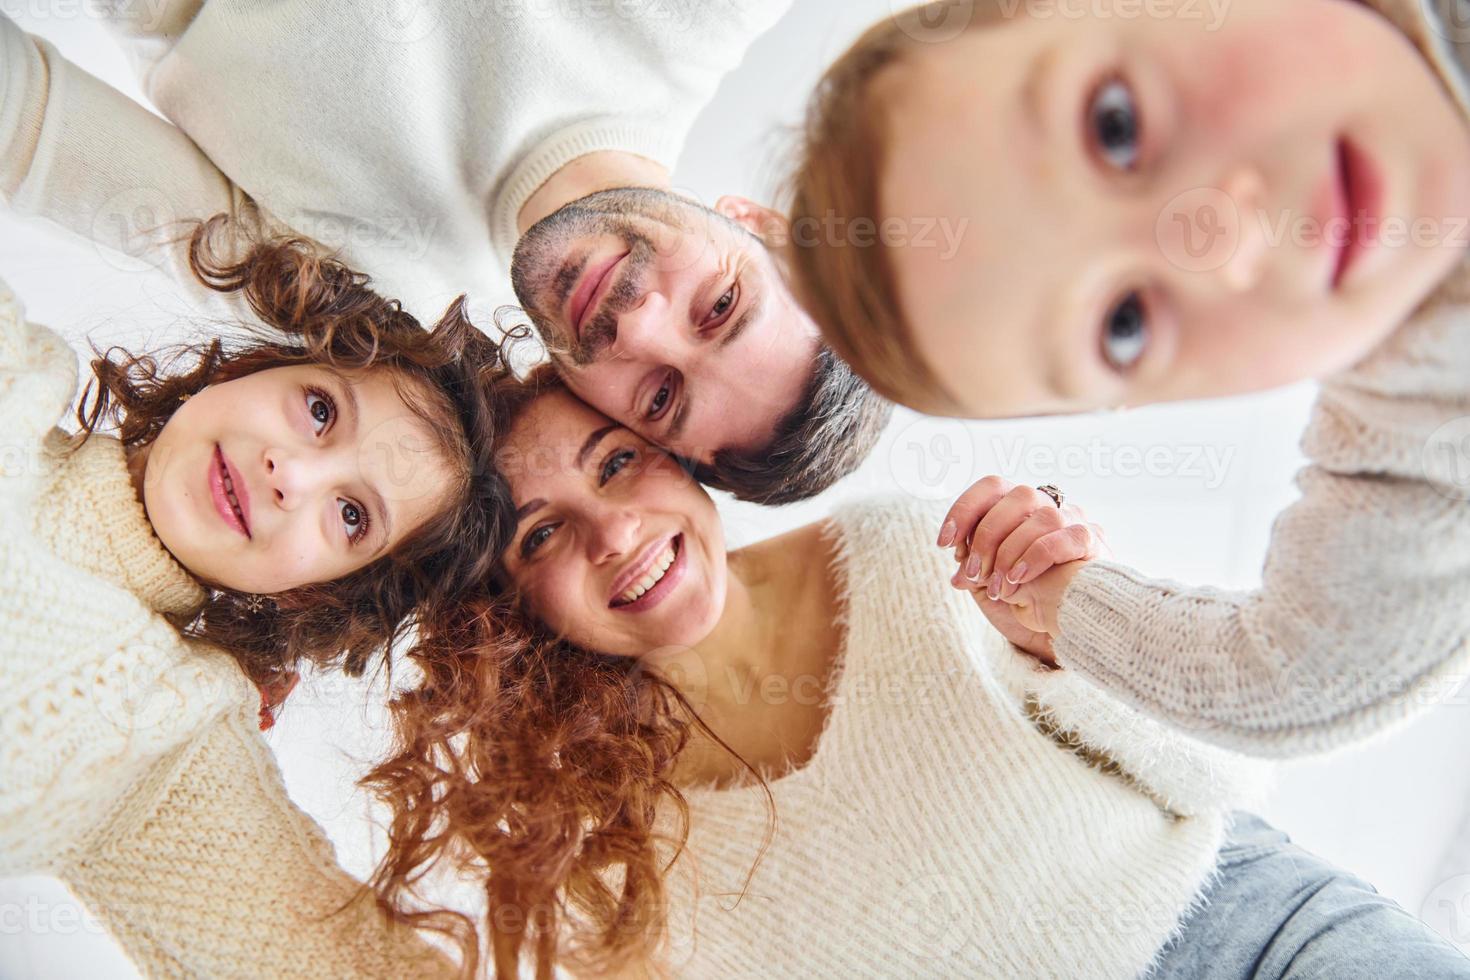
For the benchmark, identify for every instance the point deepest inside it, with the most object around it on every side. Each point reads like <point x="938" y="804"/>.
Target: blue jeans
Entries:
<point x="1277" y="911"/>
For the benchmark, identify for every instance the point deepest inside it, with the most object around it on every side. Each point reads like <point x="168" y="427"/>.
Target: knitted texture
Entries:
<point x="406" y="138"/>
<point x="939" y="829"/>
<point x="1363" y="616"/>
<point x="130" y="763"/>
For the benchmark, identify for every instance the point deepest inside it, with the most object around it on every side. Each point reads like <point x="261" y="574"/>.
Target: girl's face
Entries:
<point x="1165" y="207"/>
<point x="291" y="476"/>
<point x="616" y="548"/>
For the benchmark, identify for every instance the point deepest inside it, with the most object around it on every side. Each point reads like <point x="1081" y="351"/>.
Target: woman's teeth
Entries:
<point x="654" y="576"/>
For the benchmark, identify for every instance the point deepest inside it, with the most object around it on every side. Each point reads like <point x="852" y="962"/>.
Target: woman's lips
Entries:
<point x="660" y="589"/>
<point x="1360" y="196"/>
<point x="225" y="482"/>
<point x="590" y="289"/>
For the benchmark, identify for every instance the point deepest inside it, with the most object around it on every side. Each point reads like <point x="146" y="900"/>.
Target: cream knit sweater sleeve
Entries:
<point x="1363" y="615"/>
<point x="77" y="152"/>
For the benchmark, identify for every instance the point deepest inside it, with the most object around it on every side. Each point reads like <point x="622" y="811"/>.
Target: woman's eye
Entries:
<point x="616" y="462"/>
<point x="320" y="408"/>
<point x="536" y="538"/>
<point x="354" y="519"/>
<point x="723" y="305"/>
<point x="1113" y="118"/>
<point x="1125" y="334"/>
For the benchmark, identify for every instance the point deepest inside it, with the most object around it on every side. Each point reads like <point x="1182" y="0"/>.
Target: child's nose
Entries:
<point x="1214" y="233"/>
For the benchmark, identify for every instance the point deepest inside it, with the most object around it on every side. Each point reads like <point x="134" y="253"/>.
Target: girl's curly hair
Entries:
<point x="315" y="310"/>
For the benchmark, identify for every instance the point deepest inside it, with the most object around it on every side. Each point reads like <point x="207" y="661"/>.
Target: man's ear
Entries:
<point x="764" y="223"/>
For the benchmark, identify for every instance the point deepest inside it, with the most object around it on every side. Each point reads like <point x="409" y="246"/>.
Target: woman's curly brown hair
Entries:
<point x="315" y="310"/>
<point x="538" y="767"/>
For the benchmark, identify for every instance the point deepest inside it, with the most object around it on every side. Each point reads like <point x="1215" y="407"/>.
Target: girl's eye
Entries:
<point x="321" y="409"/>
<point x="1125" y="333"/>
<point x="536" y="539"/>
<point x="616" y="462"/>
<point x="354" y="519"/>
<point x="724" y="304"/>
<point x="1113" y="119"/>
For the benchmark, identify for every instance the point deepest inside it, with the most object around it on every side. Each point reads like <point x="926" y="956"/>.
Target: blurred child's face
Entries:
<point x="1167" y="207"/>
<point x="291" y="476"/>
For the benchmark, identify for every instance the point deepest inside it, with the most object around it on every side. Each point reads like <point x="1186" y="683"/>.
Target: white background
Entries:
<point x="1187" y="492"/>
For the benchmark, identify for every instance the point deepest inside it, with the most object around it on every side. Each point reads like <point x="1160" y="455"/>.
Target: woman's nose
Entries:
<point x="615" y="534"/>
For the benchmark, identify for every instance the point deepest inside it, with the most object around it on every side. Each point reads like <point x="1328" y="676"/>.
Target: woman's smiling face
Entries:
<point x="1163" y="207"/>
<point x="616" y="548"/>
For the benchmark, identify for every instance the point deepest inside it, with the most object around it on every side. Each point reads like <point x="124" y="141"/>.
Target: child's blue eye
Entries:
<point x="1125" y="333"/>
<point x="1113" y="116"/>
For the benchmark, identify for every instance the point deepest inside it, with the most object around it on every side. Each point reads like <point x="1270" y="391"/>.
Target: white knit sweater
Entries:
<point x="131" y="764"/>
<point x="938" y="830"/>
<point x="406" y="134"/>
<point x="1363" y="617"/>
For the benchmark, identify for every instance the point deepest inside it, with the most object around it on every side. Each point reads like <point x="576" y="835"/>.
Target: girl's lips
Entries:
<point x="595" y="281"/>
<point x="224" y="479"/>
<point x="1360" y="195"/>
<point x="663" y="587"/>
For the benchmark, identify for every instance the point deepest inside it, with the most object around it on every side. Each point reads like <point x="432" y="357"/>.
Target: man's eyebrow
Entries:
<point x="696" y="315"/>
<point x="752" y="310"/>
<point x="591" y="443"/>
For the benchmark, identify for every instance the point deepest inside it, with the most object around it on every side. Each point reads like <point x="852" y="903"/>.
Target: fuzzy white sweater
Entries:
<point x="405" y="134"/>
<point x="966" y="812"/>
<point x="131" y="763"/>
<point x="1363" y="616"/>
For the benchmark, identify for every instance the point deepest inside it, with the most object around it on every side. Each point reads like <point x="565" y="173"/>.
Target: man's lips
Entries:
<point x="595" y="281"/>
<point x="228" y="493"/>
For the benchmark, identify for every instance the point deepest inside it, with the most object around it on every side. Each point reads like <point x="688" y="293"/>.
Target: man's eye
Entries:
<point x="723" y="305"/>
<point x="660" y="401"/>
<point x="616" y="462"/>
<point x="321" y="409"/>
<point x="1125" y="333"/>
<point x="1113" y="119"/>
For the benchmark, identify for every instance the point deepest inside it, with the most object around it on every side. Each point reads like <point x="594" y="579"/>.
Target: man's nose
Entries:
<point x="649" y="329"/>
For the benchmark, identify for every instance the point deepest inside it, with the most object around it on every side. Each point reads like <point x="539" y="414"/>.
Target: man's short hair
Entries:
<point x="829" y="433"/>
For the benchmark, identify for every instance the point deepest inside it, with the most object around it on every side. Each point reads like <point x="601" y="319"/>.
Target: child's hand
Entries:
<point x="1006" y="536"/>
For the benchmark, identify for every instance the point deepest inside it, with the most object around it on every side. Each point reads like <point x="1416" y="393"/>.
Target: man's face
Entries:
<point x="668" y="317"/>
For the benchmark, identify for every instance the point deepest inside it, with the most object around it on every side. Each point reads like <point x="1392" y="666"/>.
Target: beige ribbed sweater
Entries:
<point x="938" y="831"/>
<point x="1363" y="615"/>
<point x="131" y="764"/>
<point x="406" y="134"/>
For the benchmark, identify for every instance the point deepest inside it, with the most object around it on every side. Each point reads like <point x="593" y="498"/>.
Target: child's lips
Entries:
<point x="1359" y="196"/>
<point x="228" y="494"/>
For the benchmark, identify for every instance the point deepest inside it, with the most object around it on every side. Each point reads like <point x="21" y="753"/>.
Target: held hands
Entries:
<point x="1017" y="552"/>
